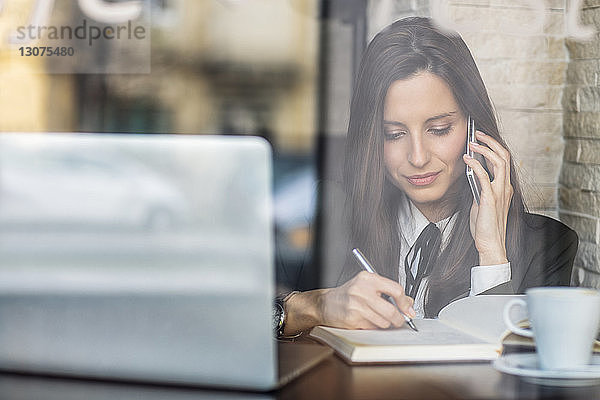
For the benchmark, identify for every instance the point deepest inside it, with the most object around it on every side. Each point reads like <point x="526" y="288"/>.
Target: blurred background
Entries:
<point x="283" y="70"/>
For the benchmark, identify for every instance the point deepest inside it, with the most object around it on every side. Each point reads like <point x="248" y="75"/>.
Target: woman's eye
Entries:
<point x="441" y="131"/>
<point x="392" y="135"/>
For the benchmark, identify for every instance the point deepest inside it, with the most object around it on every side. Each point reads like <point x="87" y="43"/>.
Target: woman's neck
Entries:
<point x="436" y="211"/>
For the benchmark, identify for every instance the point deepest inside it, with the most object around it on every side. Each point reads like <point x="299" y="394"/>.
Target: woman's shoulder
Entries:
<point x="547" y="251"/>
<point x="550" y="228"/>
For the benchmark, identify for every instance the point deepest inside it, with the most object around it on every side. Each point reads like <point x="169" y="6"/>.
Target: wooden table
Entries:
<point x="332" y="379"/>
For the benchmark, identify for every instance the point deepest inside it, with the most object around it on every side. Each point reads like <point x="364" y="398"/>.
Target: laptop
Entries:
<point x="144" y="258"/>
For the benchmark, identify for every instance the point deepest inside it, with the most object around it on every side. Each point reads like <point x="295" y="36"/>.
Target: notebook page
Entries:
<point x="481" y="316"/>
<point x="431" y="332"/>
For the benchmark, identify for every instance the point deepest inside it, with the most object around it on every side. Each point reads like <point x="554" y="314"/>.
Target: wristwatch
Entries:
<point x="279" y="314"/>
<point x="278" y="317"/>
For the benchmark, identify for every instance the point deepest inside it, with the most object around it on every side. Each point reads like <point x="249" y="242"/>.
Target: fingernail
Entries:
<point x="412" y="313"/>
<point x="467" y="156"/>
<point x="480" y="133"/>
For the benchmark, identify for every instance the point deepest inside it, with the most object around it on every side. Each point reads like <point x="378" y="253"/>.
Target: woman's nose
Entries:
<point x="419" y="154"/>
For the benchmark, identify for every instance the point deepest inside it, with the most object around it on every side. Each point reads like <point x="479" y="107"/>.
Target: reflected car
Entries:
<point x="85" y="190"/>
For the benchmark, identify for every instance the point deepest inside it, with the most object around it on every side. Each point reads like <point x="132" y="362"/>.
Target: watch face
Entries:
<point x="277" y="316"/>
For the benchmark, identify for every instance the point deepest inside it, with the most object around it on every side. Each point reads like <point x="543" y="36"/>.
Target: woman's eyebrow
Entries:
<point x="431" y="119"/>
<point x="397" y="123"/>
<point x="440" y="116"/>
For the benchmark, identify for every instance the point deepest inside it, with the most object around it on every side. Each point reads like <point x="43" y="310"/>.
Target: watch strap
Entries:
<point x="280" y="303"/>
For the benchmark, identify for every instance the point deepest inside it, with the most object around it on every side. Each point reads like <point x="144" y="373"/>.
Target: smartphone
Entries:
<point x="473" y="181"/>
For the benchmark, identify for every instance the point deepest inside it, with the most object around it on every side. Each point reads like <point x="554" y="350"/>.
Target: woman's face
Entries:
<point x="425" y="138"/>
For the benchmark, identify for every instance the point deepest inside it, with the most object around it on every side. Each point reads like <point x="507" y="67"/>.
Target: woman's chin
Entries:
<point x="424" y="195"/>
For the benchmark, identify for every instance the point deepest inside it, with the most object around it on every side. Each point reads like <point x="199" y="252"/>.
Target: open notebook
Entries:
<point x="467" y="329"/>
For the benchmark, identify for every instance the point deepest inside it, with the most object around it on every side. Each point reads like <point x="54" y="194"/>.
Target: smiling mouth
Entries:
<point x="424" y="179"/>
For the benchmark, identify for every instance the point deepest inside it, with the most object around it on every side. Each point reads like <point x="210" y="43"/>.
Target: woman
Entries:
<point x="409" y="205"/>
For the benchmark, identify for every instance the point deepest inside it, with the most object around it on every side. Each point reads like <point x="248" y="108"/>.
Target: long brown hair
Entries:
<point x="401" y="50"/>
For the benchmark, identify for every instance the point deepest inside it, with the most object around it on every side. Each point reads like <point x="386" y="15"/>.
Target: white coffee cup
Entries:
<point x="565" y="322"/>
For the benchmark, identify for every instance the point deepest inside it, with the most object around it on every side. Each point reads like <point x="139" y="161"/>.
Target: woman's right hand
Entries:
<point x="357" y="304"/>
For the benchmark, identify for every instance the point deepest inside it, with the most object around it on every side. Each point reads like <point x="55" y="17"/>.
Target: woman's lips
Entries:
<point x="424" y="179"/>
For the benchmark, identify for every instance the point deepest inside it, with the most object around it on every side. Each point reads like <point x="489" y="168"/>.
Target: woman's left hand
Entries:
<point x="488" y="219"/>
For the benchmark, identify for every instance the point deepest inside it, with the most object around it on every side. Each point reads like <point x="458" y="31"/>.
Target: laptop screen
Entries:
<point x="146" y="256"/>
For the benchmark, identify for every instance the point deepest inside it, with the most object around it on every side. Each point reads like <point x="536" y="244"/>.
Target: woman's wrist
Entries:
<point x="303" y="311"/>
<point x="493" y="258"/>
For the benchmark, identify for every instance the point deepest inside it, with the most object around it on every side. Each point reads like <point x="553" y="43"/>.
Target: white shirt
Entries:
<point x="411" y="223"/>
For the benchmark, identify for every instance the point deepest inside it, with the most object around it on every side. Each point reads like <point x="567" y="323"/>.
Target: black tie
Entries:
<point x="428" y="242"/>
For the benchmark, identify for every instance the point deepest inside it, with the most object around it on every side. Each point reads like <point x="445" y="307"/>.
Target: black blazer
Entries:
<point x="547" y="256"/>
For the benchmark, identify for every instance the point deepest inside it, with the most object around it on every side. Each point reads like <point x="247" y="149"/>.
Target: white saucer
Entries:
<point x="526" y="366"/>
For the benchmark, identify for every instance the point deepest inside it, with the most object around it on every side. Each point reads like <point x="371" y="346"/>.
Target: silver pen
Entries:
<point x="362" y="260"/>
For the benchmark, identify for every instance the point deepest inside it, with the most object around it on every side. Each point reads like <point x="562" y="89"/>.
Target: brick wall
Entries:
<point x="524" y="72"/>
<point x="579" y="191"/>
